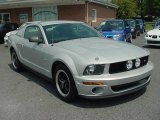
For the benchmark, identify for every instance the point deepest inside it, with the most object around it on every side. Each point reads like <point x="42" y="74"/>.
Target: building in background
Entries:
<point x="89" y="11"/>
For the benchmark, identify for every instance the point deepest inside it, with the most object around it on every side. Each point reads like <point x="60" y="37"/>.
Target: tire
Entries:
<point x="134" y="36"/>
<point x="129" y="40"/>
<point x="64" y="82"/>
<point x="17" y="66"/>
<point x="138" y="33"/>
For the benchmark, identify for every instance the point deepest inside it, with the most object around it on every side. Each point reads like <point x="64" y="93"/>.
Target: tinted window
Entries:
<point x="68" y="31"/>
<point x="33" y="31"/>
<point x="112" y="25"/>
<point x="140" y="21"/>
<point x="131" y="23"/>
<point x="14" y="26"/>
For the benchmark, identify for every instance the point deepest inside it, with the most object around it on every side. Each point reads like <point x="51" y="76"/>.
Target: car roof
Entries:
<point x="44" y="23"/>
<point x="130" y="19"/>
<point x="114" y="20"/>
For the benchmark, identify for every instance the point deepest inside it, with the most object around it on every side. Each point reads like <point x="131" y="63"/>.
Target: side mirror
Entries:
<point x="96" y="28"/>
<point x="35" y="39"/>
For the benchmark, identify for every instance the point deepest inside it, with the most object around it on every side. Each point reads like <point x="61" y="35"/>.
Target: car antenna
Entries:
<point x="52" y="42"/>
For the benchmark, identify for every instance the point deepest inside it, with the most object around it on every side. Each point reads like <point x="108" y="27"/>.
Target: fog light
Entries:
<point x="138" y="63"/>
<point x="129" y="65"/>
<point x="93" y="83"/>
<point x="98" y="90"/>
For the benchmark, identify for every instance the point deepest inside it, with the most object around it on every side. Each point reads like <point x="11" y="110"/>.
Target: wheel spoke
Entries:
<point x="63" y="83"/>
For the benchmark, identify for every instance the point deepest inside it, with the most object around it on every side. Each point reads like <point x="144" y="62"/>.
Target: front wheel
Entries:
<point x="17" y="66"/>
<point x="129" y="40"/>
<point x="64" y="82"/>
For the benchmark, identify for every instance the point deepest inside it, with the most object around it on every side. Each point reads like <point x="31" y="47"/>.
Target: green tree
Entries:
<point x="151" y="7"/>
<point x="127" y="8"/>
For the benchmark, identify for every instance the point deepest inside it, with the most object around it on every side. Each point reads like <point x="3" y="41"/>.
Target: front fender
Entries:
<point x="68" y="61"/>
<point x="13" y="46"/>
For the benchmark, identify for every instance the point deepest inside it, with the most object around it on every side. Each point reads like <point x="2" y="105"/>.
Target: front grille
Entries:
<point x="121" y="66"/>
<point x="154" y="36"/>
<point x="153" y="42"/>
<point x="122" y="87"/>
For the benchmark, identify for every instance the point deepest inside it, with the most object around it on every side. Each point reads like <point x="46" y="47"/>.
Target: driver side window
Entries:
<point x="33" y="31"/>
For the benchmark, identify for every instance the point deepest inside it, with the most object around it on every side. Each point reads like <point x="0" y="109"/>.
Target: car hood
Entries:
<point x="107" y="51"/>
<point x="154" y="32"/>
<point x="112" y="32"/>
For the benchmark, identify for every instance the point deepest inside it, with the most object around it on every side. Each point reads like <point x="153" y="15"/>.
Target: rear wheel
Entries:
<point x="64" y="82"/>
<point x="17" y="66"/>
<point x="138" y="33"/>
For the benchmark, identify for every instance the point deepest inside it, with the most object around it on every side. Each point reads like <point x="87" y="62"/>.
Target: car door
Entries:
<point x="127" y="30"/>
<point x="32" y="52"/>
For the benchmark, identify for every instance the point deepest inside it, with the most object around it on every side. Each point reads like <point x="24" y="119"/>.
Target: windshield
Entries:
<point x="131" y="23"/>
<point x="140" y="21"/>
<point x="68" y="31"/>
<point x="112" y="25"/>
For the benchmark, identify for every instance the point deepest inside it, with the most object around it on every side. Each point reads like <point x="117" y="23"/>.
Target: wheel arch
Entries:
<point x="70" y="65"/>
<point x="11" y="49"/>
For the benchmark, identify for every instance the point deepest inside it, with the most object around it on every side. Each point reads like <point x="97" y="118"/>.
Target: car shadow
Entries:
<point x="151" y="47"/>
<point x="80" y="102"/>
<point x="38" y="79"/>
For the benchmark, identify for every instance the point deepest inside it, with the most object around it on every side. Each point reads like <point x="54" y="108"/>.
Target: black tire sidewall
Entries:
<point x="73" y="91"/>
<point x="18" y="66"/>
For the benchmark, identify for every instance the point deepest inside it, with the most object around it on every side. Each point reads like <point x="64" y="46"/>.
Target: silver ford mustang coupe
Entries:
<point x="79" y="60"/>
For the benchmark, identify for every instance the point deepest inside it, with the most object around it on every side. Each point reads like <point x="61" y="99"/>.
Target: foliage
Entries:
<point x="151" y="7"/>
<point x="131" y="8"/>
<point x="127" y="8"/>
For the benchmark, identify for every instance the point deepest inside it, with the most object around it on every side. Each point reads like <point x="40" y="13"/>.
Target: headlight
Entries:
<point x="147" y="35"/>
<point x="94" y="70"/>
<point x="132" y="30"/>
<point x="129" y="65"/>
<point x="116" y="37"/>
<point x="137" y="63"/>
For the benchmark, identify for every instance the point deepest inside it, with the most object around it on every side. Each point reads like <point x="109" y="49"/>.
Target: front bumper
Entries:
<point x="114" y="84"/>
<point x="152" y="41"/>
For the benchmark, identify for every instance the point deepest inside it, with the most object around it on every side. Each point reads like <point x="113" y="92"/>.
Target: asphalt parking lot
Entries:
<point x="27" y="96"/>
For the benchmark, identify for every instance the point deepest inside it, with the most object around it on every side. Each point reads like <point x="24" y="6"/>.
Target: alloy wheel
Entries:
<point x="62" y="83"/>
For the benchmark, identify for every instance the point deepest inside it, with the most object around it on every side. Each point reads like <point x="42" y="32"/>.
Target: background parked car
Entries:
<point x="135" y="27"/>
<point x="5" y="28"/>
<point x="152" y="37"/>
<point x="142" y="25"/>
<point x="157" y="24"/>
<point x="14" y="32"/>
<point x="116" y="29"/>
<point x="7" y="36"/>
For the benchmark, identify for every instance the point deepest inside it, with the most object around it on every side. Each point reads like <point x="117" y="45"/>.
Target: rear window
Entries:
<point x="112" y="25"/>
<point x="131" y="23"/>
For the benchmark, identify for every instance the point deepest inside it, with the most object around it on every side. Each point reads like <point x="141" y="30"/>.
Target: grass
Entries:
<point x="149" y="25"/>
